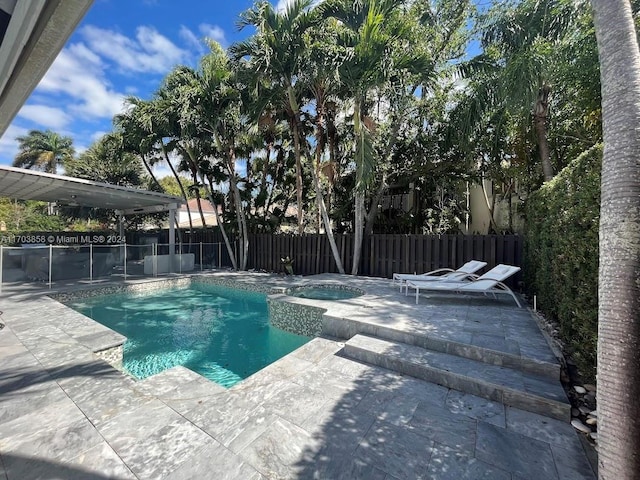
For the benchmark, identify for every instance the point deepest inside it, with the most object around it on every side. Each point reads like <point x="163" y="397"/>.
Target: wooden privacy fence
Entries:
<point x="382" y="255"/>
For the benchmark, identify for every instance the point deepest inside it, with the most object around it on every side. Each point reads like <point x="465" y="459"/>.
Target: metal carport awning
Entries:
<point x="25" y="184"/>
<point x="33" y="185"/>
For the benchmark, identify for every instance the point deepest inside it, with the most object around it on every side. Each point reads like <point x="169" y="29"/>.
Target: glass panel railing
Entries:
<point x="191" y="257"/>
<point x="26" y="264"/>
<point x="107" y="262"/>
<point x="67" y="263"/>
<point x="55" y="264"/>
<point x="140" y="261"/>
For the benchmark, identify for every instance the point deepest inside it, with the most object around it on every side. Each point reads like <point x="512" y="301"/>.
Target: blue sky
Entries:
<point x="121" y="47"/>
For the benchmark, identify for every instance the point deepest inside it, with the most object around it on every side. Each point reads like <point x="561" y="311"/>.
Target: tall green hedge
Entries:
<point x="561" y="254"/>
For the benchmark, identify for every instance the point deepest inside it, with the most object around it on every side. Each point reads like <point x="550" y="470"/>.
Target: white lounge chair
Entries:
<point x="465" y="272"/>
<point x="490" y="282"/>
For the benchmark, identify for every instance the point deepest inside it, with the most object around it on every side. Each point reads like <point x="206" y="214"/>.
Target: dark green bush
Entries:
<point x="561" y="254"/>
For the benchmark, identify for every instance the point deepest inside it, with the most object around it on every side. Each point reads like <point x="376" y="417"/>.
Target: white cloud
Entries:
<point x="98" y="135"/>
<point x="214" y="32"/>
<point x="77" y="96"/>
<point x="190" y="38"/>
<point x="84" y="55"/>
<point x="150" y="52"/>
<point x="282" y="5"/>
<point x="8" y="144"/>
<point x="90" y="92"/>
<point x="49" y="117"/>
<point x="80" y="148"/>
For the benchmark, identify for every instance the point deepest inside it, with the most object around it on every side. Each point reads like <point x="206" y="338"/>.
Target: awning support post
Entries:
<point x="172" y="238"/>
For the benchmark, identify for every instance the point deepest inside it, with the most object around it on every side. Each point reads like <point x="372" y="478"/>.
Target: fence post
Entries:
<point x="50" y="263"/>
<point x="219" y="255"/>
<point x="125" y="261"/>
<point x="201" y="267"/>
<point x="91" y="263"/>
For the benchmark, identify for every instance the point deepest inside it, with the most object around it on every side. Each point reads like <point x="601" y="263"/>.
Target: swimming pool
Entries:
<point x="223" y="334"/>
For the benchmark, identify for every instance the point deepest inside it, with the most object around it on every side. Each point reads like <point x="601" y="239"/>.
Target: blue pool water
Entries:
<point x="220" y="333"/>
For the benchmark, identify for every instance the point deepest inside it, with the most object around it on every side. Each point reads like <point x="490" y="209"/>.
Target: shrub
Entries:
<point x="561" y="254"/>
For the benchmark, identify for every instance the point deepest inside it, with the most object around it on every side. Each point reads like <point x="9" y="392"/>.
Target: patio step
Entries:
<point x="346" y="328"/>
<point x="509" y="386"/>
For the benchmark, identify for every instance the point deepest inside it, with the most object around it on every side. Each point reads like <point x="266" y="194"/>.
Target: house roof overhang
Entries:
<point x="32" y="33"/>
<point x="31" y="185"/>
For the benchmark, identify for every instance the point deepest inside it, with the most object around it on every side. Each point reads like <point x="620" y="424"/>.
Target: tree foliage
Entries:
<point x="43" y="151"/>
<point x="106" y="161"/>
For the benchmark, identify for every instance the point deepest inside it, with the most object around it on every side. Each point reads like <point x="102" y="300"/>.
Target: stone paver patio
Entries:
<point x="316" y="414"/>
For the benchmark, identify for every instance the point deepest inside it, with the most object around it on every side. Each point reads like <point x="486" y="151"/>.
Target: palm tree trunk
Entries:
<point x="294" y="118"/>
<point x="358" y="229"/>
<point x="540" y="116"/>
<point x="296" y="144"/>
<point x="192" y="163"/>
<point x="619" y="275"/>
<point x="359" y="211"/>
<point x="490" y="205"/>
<point x="150" y="172"/>
<point x="327" y="223"/>
<point x="322" y="208"/>
<point x="242" y="221"/>
<point x="332" y="138"/>
<point x="204" y="224"/>
<point x="209" y="190"/>
<point x="373" y="208"/>
<point x="175" y="174"/>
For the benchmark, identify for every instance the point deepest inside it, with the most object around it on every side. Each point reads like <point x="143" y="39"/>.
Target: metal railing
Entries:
<point x="92" y="262"/>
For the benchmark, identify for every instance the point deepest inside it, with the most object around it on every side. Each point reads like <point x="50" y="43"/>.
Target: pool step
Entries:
<point x="513" y="387"/>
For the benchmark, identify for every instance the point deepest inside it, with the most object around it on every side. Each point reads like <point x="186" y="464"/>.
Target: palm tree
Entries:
<point x="148" y="123"/>
<point x="619" y="276"/>
<point x="106" y="161"/>
<point x="370" y="30"/>
<point x="513" y="75"/>
<point x="135" y="139"/>
<point x="221" y="119"/>
<point x="43" y="150"/>
<point x="322" y="82"/>
<point x="204" y="108"/>
<point x="275" y="56"/>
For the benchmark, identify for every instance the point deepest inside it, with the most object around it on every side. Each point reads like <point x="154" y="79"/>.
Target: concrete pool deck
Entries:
<point x="326" y="411"/>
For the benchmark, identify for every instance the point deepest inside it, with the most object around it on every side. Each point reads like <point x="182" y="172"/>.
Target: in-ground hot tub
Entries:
<point x="325" y="292"/>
